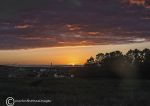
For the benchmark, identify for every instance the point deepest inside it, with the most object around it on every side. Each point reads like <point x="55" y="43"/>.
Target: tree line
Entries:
<point x="134" y="64"/>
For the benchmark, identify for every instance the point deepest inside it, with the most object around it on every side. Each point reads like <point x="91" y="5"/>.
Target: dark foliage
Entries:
<point x="134" y="64"/>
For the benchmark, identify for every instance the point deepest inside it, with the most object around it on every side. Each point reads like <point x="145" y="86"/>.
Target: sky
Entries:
<point x="69" y="31"/>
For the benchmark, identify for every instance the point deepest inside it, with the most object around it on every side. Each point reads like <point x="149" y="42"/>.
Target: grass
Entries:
<point x="77" y="92"/>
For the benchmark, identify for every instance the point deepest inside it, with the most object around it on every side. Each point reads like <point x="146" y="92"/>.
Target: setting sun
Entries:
<point x="61" y="55"/>
<point x="75" y="52"/>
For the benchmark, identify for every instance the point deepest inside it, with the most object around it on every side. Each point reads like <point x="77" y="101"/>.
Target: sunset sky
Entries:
<point x="70" y="31"/>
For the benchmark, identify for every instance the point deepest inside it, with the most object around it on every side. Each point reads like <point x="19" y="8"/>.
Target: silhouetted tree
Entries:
<point x="134" y="63"/>
<point x="112" y="57"/>
<point x="145" y="66"/>
<point x="135" y="56"/>
<point x="90" y="61"/>
<point x="146" y="55"/>
<point x="99" y="58"/>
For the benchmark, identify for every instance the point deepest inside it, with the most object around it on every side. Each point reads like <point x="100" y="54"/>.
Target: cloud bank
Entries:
<point x="28" y="24"/>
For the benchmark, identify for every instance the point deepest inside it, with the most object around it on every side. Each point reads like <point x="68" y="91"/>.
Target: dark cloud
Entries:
<point x="48" y="23"/>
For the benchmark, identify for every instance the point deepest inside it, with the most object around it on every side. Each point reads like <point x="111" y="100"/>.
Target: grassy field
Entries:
<point x="77" y="92"/>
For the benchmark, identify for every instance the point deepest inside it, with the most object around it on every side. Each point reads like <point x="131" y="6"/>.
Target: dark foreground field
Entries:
<point x="77" y="92"/>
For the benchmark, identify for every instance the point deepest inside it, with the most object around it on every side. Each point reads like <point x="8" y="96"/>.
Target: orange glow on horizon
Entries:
<point x="70" y="55"/>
